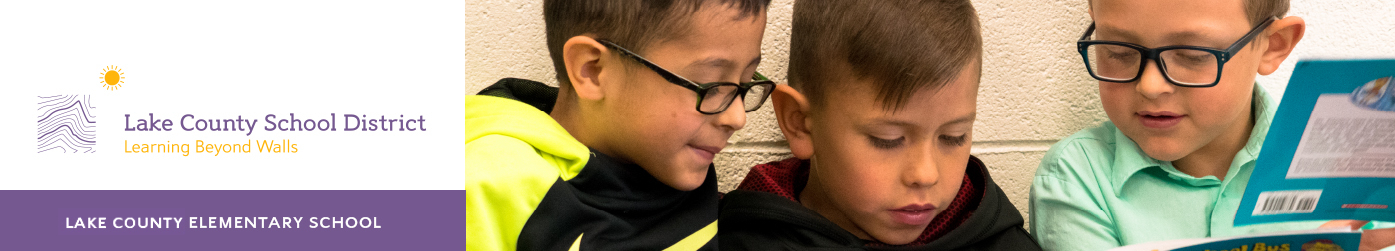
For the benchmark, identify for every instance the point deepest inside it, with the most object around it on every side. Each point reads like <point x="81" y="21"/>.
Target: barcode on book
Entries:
<point x="1287" y="202"/>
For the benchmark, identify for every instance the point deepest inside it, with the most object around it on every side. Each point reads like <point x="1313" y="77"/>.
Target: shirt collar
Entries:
<point x="1129" y="159"/>
<point x="1264" y="108"/>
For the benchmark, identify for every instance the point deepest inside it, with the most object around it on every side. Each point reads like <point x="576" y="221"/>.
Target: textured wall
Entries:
<point x="1034" y="90"/>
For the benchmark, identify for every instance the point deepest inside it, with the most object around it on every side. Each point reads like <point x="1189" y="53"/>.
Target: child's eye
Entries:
<point x="1197" y="59"/>
<point x="1119" y="55"/>
<point x="1194" y="58"/>
<point x="954" y="140"/>
<point x="886" y="143"/>
<point x="1122" y="55"/>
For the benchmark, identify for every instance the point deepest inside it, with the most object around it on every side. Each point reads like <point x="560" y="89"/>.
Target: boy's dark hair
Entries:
<point x="901" y="46"/>
<point x="633" y="24"/>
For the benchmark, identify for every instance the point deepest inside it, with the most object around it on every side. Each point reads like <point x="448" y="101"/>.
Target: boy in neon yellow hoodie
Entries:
<point x="620" y="156"/>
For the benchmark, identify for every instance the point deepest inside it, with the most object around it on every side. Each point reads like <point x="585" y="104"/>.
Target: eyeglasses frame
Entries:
<point x="1222" y="56"/>
<point x="700" y="89"/>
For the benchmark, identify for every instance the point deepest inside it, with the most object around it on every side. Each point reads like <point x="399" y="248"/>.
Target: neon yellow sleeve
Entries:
<point x="514" y="153"/>
<point x="505" y="180"/>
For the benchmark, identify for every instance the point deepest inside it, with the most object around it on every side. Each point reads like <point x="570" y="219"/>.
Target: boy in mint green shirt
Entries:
<point x="1186" y="123"/>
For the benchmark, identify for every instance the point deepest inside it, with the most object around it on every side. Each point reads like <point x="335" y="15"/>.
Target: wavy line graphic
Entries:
<point x="66" y="124"/>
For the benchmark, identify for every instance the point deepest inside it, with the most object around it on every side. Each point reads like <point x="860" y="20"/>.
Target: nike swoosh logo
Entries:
<point x="576" y="245"/>
<point x="692" y="242"/>
<point x="696" y="240"/>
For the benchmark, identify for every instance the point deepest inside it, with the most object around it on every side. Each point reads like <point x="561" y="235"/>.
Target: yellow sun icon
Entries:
<point x="112" y="77"/>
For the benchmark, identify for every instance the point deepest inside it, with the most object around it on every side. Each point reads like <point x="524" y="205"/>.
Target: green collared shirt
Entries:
<point x="1097" y="190"/>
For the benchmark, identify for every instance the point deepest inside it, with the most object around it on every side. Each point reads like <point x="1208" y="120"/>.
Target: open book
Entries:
<point x="1330" y="152"/>
<point x="1306" y="240"/>
<point x="1329" y="155"/>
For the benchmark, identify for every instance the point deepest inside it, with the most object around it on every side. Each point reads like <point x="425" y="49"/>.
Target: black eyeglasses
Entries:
<point x="715" y="97"/>
<point x="1183" y="65"/>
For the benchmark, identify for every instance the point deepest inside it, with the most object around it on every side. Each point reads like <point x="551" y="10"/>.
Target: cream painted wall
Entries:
<point x="1034" y="90"/>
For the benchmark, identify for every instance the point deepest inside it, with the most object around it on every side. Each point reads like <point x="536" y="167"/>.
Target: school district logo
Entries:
<point x="66" y="124"/>
<point x="112" y="77"/>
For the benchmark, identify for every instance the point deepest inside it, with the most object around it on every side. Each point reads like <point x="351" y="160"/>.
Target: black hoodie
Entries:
<point x="756" y="220"/>
<point x="607" y="204"/>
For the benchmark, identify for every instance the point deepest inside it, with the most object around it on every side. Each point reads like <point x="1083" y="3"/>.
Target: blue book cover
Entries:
<point x="1296" y="242"/>
<point x="1302" y="240"/>
<point x="1330" y="151"/>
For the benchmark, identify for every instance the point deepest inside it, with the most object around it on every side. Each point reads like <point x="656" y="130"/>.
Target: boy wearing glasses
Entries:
<point x="878" y="114"/>
<point x="1177" y="80"/>
<point x="620" y="156"/>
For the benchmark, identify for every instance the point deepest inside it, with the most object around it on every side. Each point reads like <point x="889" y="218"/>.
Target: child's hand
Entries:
<point x="1371" y="239"/>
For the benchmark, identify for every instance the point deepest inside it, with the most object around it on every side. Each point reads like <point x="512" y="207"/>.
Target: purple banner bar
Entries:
<point x="232" y="220"/>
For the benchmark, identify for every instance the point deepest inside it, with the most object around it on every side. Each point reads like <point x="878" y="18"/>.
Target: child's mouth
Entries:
<point x="705" y="152"/>
<point x="915" y="215"/>
<point x="1159" y="120"/>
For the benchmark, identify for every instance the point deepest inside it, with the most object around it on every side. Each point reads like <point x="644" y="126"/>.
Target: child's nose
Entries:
<point x="922" y="170"/>
<point x="1152" y="83"/>
<point x="734" y="118"/>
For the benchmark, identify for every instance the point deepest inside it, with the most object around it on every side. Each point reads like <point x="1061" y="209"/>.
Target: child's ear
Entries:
<point x="583" y="57"/>
<point x="1286" y="33"/>
<point x="792" y="112"/>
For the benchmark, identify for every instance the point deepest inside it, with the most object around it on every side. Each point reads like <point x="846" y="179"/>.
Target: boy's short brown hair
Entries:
<point x="902" y="46"/>
<point x="633" y="24"/>
<point x="1257" y="11"/>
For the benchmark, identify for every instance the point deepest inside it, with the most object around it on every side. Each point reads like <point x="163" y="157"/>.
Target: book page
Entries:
<point x="1344" y="139"/>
